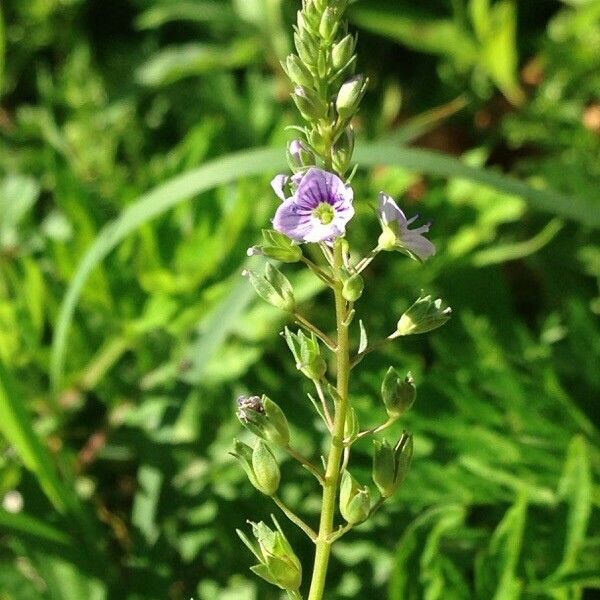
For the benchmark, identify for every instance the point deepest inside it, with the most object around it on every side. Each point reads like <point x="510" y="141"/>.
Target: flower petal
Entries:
<point x="278" y="184"/>
<point x="291" y="221"/>
<point x="389" y="211"/>
<point x="417" y="244"/>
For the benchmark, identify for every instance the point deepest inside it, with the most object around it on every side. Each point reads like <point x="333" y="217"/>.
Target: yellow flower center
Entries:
<point x="324" y="212"/>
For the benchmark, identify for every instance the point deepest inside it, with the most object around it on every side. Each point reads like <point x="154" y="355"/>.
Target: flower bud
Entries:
<point x="277" y="562"/>
<point x="307" y="354"/>
<point x="353" y="287"/>
<point x="305" y="51"/>
<point x="342" y="52"/>
<point x="277" y="246"/>
<point x="390" y="465"/>
<point x="266" y="469"/>
<point x="355" y="502"/>
<point x="309" y="104"/>
<point x="297" y="71"/>
<point x="398" y="394"/>
<point x="343" y="150"/>
<point x="350" y="95"/>
<point x="299" y="155"/>
<point x="330" y="23"/>
<point x="273" y="287"/>
<point x="264" y="418"/>
<point x="424" y="315"/>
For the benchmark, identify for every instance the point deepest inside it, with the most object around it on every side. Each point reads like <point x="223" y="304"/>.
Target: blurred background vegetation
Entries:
<point x="130" y="188"/>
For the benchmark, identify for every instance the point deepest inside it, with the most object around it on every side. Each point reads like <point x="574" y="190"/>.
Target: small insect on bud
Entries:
<point x="277" y="562"/>
<point x="350" y="95"/>
<point x="426" y="314"/>
<point x="390" y="465"/>
<point x="264" y="418"/>
<point x="273" y="287"/>
<point x="398" y="394"/>
<point x="355" y="502"/>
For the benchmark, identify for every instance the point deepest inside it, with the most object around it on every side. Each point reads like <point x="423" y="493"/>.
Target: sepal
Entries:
<point x="264" y="418"/>
<point x="355" y="501"/>
<point x="277" y="246"/>
<point x="398" y="394"/>
<point x="426" y="314"/>
<point x="307" y="353"/>
<point x="273" y="287"/>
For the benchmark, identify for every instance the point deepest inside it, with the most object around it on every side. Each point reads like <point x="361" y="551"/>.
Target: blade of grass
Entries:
<point x="147" y="207"/>
<point x="15" y="424"/>
<point x="435" y="163"/>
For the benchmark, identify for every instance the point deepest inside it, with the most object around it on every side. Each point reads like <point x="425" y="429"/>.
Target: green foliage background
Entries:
<point x="131" y="186"/>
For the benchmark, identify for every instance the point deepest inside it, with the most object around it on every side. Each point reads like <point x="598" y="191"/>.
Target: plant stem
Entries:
<point x="336" y="448"/>
<point x="294" y="518"/>
<point x="306" y="464"/>
<point x="310" y="327"/>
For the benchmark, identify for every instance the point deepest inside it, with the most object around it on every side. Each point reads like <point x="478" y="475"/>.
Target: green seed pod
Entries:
<point x="353" y="288"/>
<point x="390" y="465"/>
<point x="355" y="502"/>
<point x="266" y="469"/>
<point x="384" y="468"/>
<point x="398" y="394"/>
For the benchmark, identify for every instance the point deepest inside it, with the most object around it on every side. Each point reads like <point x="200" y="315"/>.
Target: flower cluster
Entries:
<point x="321" y="205"/>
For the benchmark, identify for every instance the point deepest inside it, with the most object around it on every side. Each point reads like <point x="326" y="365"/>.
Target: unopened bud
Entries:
<point x="309" y="104"/>
<point x="330" y="22"/>
<point x="297" y="71"/>
<point x="342" y="52"/>
<point x="355" y="502"/>
<point x="350" y="95"/>
<point x="343" y="150"/>
<point x="398" y="394"/>
<point x="426" y="314"/>
<point x="300" y="155"/>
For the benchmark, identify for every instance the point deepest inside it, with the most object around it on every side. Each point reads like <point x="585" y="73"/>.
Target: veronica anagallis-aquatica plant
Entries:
<point x="317" y="205"/>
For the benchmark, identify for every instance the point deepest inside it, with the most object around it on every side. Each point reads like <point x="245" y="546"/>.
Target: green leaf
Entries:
<point x="16" y="425"/>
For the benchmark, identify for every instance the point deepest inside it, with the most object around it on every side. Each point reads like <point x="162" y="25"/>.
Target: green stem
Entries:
<point x="294" y="518"/>
<point x="336" y="449"/>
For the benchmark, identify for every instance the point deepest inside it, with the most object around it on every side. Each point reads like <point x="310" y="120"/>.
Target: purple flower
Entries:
<point x="319" y="208"/>
<point x="396" y="234"/>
